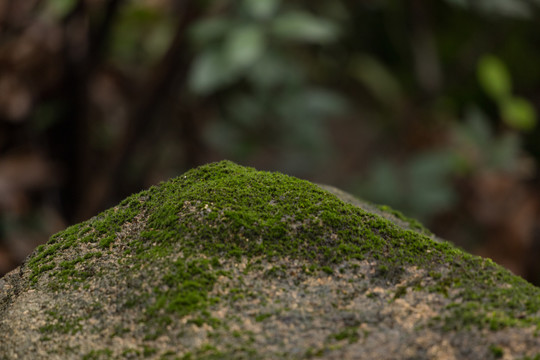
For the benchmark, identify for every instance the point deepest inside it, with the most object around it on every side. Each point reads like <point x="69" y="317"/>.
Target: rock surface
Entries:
<point x="226" y="262"/>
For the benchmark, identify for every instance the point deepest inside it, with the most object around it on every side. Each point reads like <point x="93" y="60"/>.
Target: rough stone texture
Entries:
<point x="226" y="262"/>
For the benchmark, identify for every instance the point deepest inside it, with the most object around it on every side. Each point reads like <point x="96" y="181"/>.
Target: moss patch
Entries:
<point x="172" y="248"/>
<point x="224" y="209"/>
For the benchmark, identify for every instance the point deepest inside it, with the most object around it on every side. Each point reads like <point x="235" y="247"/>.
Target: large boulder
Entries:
<point x="226" y="262"/>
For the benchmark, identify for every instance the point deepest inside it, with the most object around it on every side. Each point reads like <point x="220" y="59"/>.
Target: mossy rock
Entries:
<point x="226" y="262"/>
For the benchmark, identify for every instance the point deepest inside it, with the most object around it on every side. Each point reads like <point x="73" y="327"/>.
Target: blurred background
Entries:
<point x="427" y="106"/>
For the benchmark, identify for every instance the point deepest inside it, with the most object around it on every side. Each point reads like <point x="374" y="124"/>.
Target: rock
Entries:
<point x="226" y="262"/>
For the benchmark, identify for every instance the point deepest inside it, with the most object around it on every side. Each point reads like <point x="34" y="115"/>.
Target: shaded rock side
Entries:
<point x="226" y="262"/>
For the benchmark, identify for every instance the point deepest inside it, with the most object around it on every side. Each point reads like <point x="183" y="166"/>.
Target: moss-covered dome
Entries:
<point x="229" y="262"/>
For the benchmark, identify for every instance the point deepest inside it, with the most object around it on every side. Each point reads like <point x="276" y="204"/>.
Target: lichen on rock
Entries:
<point x="233" y="263"/>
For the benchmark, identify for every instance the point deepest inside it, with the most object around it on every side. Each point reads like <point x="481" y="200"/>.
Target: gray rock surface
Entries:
<point x="226" y="262"/>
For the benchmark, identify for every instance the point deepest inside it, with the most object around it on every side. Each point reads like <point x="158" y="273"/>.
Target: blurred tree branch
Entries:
<point x="165" y="81"/>
<point x="83" y="48"/>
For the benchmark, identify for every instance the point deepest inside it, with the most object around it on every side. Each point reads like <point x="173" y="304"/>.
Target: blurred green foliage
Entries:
<point x="249" y="43"/>
<point x="494" y="77"/>
<point x="278" y="74"/>
<point x="251" y="59"/>
<point x="141" y="35"/>
<point x="517" y="112"/>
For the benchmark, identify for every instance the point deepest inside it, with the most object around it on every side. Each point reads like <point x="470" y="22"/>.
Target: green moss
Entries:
<point x="206" y="352"/>
<point x="187" y="283"/>
<point x="400" y="291"/>
<point x="349" y="333"/>
<point x="209" y="352"/>
<point x="327" y="269"/>
<point x="226" y="210"/>
<point x="334" y="341"/>
<point x="106" y="241"/>
<point x="536" y="357"/>
<point x="98" y="354"/>
<point x="130" y="353"/>
<point x="67" y="271"/>
<point x="60" y="322"/>
<point x="313" y="352"/>
<point x="276" y="271"/>
<point x="62" y="325"/>
<point x="496" y="351"/>
<point x="149" y="351"/>
<point x="262" y="317"/>
<point x="413" y="223"/>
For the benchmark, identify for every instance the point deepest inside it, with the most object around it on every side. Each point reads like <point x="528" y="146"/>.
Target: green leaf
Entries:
<point x="302" y="26"/>
<point x="494" y="77"/>
<point x="244" y="45"/>
<point x="518" y="113"/>
<point x="261" y="9"/>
